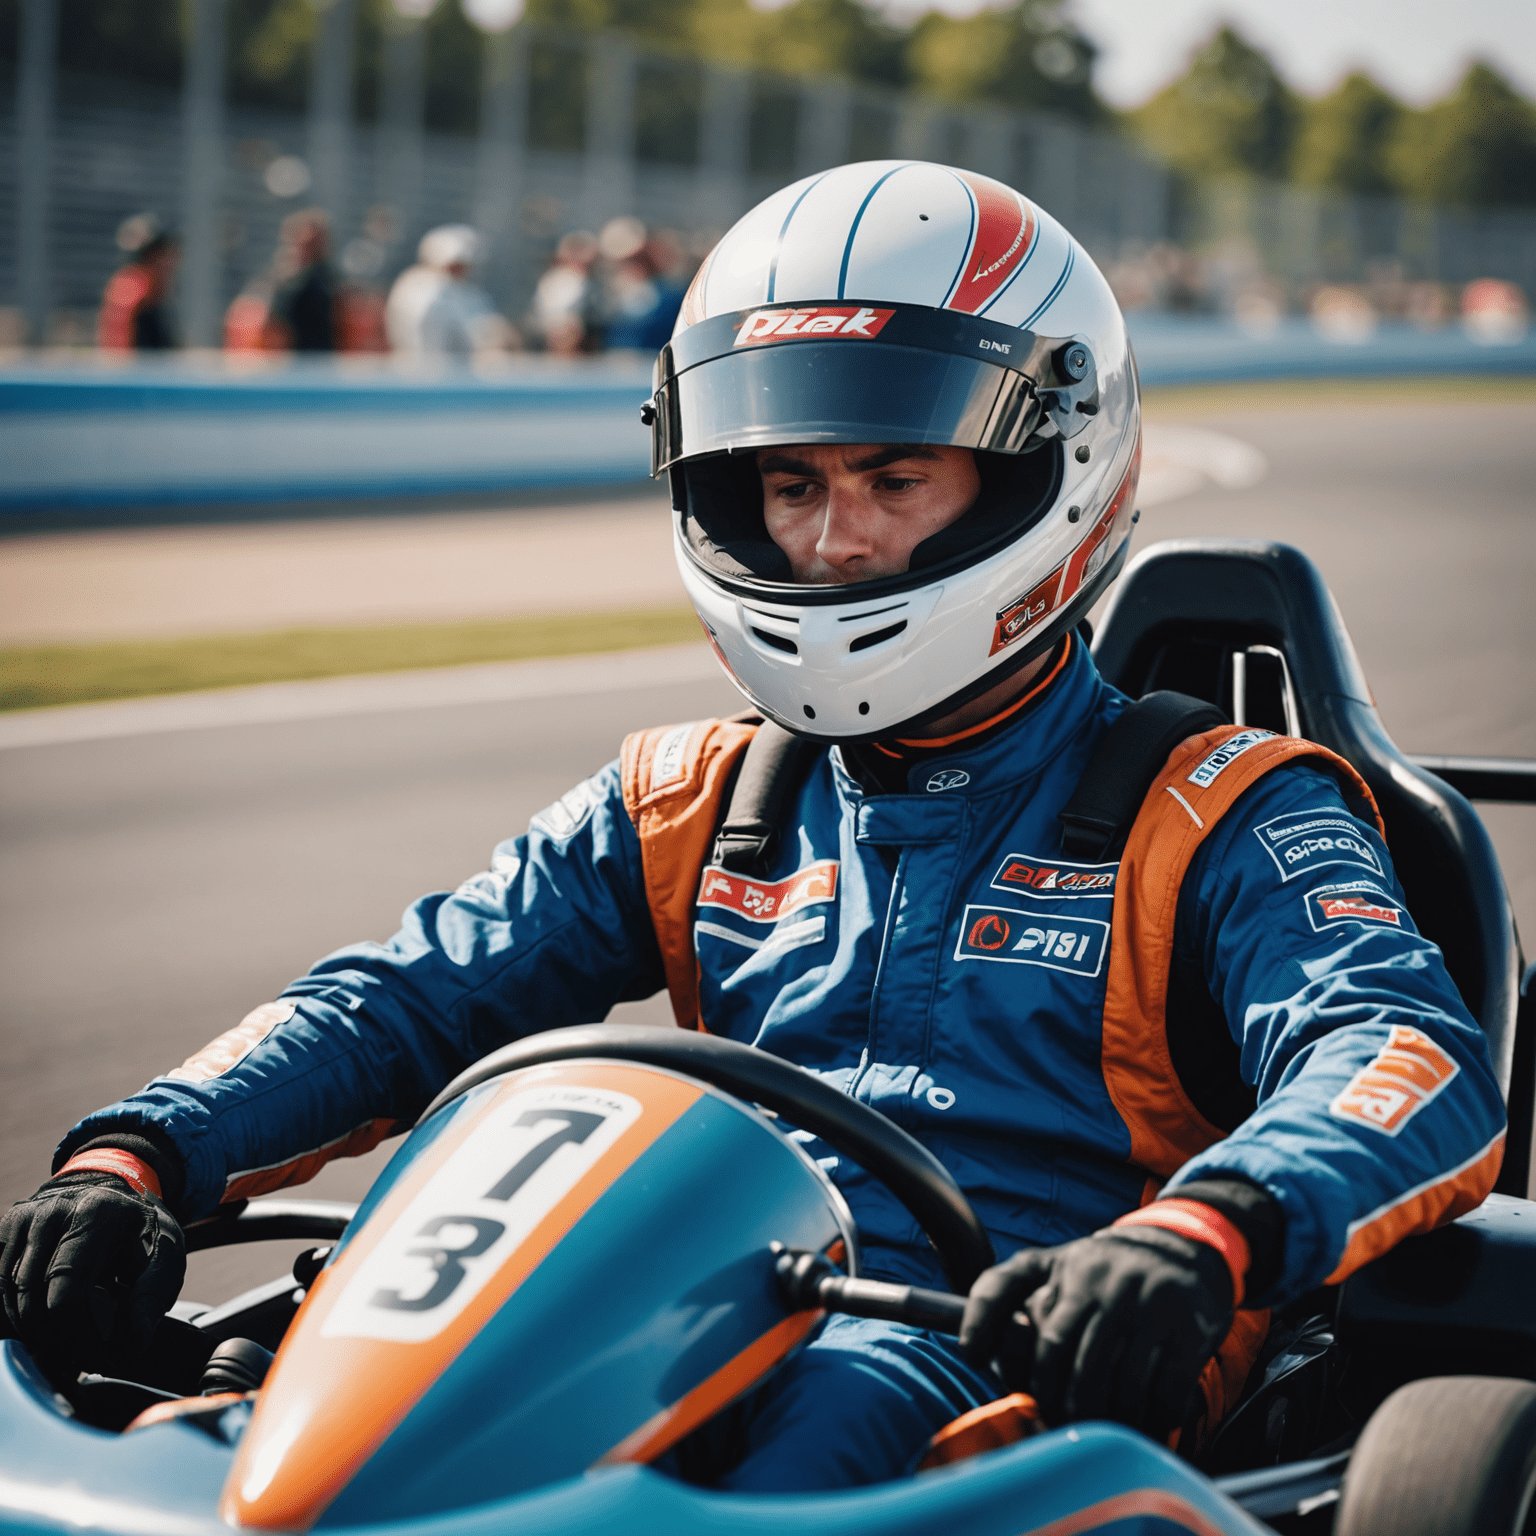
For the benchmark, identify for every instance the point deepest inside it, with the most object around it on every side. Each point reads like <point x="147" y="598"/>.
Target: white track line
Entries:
<point x="383" y="693"/>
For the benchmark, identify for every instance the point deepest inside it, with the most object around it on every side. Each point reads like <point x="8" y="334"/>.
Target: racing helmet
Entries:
<point x="897" y="302"/>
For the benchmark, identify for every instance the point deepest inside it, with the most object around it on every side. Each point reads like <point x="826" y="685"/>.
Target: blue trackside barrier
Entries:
<point x="92" y="434"/>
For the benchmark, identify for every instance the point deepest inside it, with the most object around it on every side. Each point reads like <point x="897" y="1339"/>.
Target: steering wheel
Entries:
<point x="904" y="1165"/>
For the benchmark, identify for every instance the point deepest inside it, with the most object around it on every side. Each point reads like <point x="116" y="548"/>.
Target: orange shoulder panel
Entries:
<point x="675" y="778"/>
<point x="1197" y="786"/>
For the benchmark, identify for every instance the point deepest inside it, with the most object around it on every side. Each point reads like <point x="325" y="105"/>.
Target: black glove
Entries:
<point x="88" y="1267"/>
<point x="1118" y="1325"/>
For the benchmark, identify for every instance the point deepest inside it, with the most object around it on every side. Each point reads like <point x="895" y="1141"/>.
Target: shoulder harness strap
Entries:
<point x="675" y="781"/>
<point x="1201" y="781"/>
<point x="1130" y="754"/>
<point x="774" y="767"/>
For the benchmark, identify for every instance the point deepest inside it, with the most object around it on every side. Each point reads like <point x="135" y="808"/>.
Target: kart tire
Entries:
<point x="1448" y="1456"/>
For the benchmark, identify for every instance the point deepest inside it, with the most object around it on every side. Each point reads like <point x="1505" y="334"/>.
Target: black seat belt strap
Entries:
<point x="772" y="770"/>
<point x="1097" y="819"/>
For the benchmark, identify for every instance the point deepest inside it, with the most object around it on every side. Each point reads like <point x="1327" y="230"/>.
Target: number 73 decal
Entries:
<point x="508" y="1174"/>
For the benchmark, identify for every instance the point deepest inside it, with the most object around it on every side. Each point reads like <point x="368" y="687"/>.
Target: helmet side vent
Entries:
<point x="877" y="636"/>
<point x="778" y="642"/>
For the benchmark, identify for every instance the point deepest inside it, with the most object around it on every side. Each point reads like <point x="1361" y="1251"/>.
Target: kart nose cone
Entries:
<point x="569" y="1265"/>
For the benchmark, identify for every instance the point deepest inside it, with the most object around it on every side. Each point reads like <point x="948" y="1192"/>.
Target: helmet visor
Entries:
<point x="848" y="373"/>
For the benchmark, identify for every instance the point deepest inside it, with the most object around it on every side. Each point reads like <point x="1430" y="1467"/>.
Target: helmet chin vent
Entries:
<point x="877" y="637"/>
<point x="778" y="642"/>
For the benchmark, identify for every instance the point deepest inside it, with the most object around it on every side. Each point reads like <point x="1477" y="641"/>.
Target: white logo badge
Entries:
<point x="948" y="778"/>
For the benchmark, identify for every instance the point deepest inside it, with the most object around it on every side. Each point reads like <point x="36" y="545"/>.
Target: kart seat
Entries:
<point x="1251" y="626"/>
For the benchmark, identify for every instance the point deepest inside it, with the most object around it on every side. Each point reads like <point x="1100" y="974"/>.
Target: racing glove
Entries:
<point x="90" y="1263"/>
<point x="1118" y="1325"/>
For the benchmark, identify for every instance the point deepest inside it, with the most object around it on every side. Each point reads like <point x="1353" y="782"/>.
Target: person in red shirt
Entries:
<point x="134" y="314"/>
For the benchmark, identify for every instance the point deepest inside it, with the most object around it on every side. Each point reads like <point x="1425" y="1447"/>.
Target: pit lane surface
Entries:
<point x="154" y="888"/>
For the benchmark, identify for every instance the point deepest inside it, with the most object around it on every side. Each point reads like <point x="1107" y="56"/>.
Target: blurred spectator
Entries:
<point x="304" y="300"/>
<point x="1342" y="315"/>
<point x="1494" y="312"/>
<point x="434" y="310"/>
<point x="564" y="314"/>
<point x="299" y="305"/>
<point x="641" y="296"/>
<point x="134" y="316"/>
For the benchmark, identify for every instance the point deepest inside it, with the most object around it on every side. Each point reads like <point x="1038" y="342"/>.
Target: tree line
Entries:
<point x="1230" y="114"/>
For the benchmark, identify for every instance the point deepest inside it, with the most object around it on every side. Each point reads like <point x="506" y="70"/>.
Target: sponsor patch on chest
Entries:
<point x="1308" y="840"/>
<point x="1330" y="905"/>
<point x="1076" y="944"/>
<point x="1034" y="876"/>
<point x="761" y="901"/>
<point x="1408" y="1071"/>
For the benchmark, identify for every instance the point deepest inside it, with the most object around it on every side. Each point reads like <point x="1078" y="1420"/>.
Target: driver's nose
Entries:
<point x="847" y="538"/>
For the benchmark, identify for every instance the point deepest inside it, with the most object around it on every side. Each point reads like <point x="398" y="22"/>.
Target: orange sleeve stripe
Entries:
<point x="299" y="1170"/>
<point x="133" y="1170"/>
<point x="1431" y="1205"/>
<point x="1202" y="1224"/>
<point x="1166" y="1129"/>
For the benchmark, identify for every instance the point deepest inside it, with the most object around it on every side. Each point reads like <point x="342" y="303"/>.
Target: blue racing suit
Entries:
<point x="932" y="954"/>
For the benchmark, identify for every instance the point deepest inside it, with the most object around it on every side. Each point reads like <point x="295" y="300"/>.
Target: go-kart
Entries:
<point x="597" y="1238"/>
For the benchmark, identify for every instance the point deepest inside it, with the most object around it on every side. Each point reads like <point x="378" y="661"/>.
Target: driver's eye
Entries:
<point x="796" y="490"/>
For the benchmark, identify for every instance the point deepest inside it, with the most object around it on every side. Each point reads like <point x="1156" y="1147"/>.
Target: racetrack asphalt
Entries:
<point x="156" y="886"/>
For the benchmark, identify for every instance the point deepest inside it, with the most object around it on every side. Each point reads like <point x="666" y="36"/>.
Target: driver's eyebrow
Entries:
<point x="891" y="455"/>
<point x="783" y="464"/>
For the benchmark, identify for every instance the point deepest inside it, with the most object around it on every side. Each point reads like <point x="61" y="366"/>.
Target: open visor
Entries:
<point x="848" y="373"/>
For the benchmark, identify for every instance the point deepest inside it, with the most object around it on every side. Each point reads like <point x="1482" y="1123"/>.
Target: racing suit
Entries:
<point x="932" y="954"/>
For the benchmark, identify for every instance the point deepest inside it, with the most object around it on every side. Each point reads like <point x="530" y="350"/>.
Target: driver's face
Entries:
<point x="851" y="512"/>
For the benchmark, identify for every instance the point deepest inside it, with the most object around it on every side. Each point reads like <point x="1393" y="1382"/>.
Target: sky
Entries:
<point x="1416" y="48"/>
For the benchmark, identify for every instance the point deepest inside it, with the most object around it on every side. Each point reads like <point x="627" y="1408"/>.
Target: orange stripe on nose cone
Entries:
<point x="663" y="1430"/>
<point x="330" y="1402"/>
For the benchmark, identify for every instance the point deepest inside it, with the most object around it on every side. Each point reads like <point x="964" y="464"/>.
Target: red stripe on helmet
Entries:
<point x="1005" y="230"/>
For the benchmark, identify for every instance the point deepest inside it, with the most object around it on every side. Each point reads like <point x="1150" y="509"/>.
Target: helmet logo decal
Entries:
<point x="1085" y="562"/>
<point x="948" y="778"/>
<point x="1003" y="238"/>
<point x="1022" y="612"/>
<point x="815" y="322"/>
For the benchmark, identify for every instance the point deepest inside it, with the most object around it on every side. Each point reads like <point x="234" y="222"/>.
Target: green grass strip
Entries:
<point x="34" y="676"/>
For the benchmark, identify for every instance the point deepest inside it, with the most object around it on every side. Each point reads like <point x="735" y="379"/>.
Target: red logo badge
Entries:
<point x="1023" y="612"/>
<point x="989" y="932"/>
<point x="762" y="902"/>
<point x="1057" y="879"/>
<point x="817" y="323"/>
<point x="1335" y="907"/>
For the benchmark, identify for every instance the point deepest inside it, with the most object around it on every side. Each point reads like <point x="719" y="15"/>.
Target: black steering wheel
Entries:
<point x="904" y="1165"/>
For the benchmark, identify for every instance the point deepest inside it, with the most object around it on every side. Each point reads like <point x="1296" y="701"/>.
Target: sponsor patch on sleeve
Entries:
<point x="1408" y="1071"/>
<point x="234" y="1045"/>
<point x="569" y="813"/>
<point x="1331" y="905"/>
<point x="1034" y="876"/>
<point x="761" y="901"/>
<point x="1075" y="944"/>
<point x="670" y="756"/>
<point x="1210" y="768"/>
<point x="1308" y="840"/>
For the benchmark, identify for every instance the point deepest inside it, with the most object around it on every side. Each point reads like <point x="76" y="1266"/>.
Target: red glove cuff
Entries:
<point x="1189" y="1218"/>
<point x="133" y="1170"/>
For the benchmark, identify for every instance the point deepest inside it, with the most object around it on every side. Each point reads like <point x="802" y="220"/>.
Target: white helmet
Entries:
<point x="899" y="302"/>
<point x="450" y="245"/>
